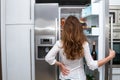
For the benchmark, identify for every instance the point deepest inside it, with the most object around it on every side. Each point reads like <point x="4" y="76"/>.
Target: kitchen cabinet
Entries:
<point x="19" y="11"/>
<point x="19" y="52"/>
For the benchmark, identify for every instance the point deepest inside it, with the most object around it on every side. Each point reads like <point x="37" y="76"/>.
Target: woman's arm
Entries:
<point x="94" y="64"/>
<point x="105" y="60"/>
<point x="51" y="55"/>
<point x="50" y="58"/>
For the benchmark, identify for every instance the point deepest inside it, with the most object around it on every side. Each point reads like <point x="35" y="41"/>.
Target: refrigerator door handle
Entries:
<point x="56" y="28"/>
<point x="111" y="44"/>
<point x="111" y="31"/>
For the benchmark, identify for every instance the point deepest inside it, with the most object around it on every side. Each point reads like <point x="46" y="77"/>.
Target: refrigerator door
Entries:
<point x="45" y="19"/>
<point x="109" y="38"/>
<point x="45" y="35"/>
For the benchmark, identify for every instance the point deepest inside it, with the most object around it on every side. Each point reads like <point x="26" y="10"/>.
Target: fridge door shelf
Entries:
<point x="92" y="31"/>
<point x="93" y="9"/>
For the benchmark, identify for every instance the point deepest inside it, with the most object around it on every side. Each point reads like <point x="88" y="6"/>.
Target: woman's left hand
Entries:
<point x="64" y="70"/>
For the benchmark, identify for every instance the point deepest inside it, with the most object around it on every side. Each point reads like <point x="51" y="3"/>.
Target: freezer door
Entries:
<point x="46" y="16"/>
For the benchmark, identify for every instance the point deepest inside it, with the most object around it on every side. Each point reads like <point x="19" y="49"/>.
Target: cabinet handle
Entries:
<point x="30" y="57"/>
<point x="30" y="9"/>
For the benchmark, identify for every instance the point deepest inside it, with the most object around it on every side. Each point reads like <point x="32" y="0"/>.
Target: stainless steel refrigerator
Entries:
<point x="45" y="36"/>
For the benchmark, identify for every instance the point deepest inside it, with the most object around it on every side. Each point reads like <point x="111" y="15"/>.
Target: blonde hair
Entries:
<point x="73" y="38"/>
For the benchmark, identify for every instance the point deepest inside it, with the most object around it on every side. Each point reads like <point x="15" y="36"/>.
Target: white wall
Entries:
<point x="114" y="2"/>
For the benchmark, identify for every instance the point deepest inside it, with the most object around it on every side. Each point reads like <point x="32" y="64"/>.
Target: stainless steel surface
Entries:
<point x="119" y="16"/>
<point x="114" y="7"/>
<point x="45" y="40"/>
<point x="115" y="31"/>
<point x="115" y="11"/>
<point x="116" y="34"/>
<point x="43" y="71"/>
<point x="46" y="33"/>
<point x="115" y="66"/>
<point x="106" y="20"/>
<point x="111" y="31"/>
<point x="45" y="20"/>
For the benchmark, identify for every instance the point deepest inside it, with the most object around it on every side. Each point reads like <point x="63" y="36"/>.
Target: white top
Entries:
<point x="76" y="67"/>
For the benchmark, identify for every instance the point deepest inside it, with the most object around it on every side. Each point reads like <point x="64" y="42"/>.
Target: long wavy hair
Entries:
<point x="73" y="38"/>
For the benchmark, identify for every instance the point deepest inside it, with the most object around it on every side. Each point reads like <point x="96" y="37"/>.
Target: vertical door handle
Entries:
<point x="30" y="57"/>
<point x="30" y="8"/>
<point x="111" y="45"/>
<point x="56" y="28"/>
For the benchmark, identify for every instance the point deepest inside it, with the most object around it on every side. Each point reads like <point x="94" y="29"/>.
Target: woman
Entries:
<point x="72" y="48"/>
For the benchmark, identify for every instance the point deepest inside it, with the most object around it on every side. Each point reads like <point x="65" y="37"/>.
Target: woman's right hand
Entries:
<point x="108" y="58"/>
<point x="111" y="54"/>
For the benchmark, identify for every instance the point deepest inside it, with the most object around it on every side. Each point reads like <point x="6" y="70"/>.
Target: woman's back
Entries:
<point x="76" y="66"/>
